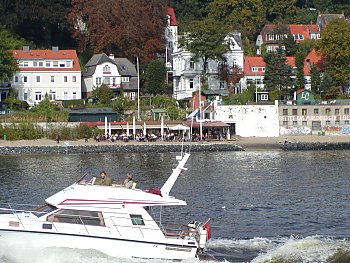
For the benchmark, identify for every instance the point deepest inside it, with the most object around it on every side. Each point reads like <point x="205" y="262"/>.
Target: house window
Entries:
<point x="65" y="95"/>
<point x="106" y="69"/>
<point x="285" y="111"/>
<point x="74" y="78"/>
<point x="125" y="79"/>
<point x="106" y="80"/>
<point x="132" y="95"/>
<point x="316" y="111"/>
<point x="25" y="96"/>
<point x="346" y="111"/>
<point x="74" y="95"/>
<point x="191" y="84"/>
<point x="191" y="64"/>
<point x="62" y="65"/>
<point x="52" y="78"/>
<point x="114" y="81"/>
<point x="48" y="64"/>
<point x="16" y="78"/>
<point x="295" y="123"/>
<point x="328" y="122"/>
<point x="68" y="64"/>
<point x="38" y="96"/>
<point x="285" y="123"/>
<point x="254" y="69"/>
<point x="304" y="123"/>
<point x="65" y="79"/>
<point x="336" y="111"/>
<point x="35" y="63"/>
<point x="347" y="122"/>
<point x="264" y="97"/>
<point x="25" y="64"/>
<point x="137" y="220"/>
<point x="270" y="37"/>
<point x="25" y="78"/>
<point x="222" y="84"/>
<point x="98" y="81"/>
<point x="328" y="111"/>
<point x="337" y="122"/>
<point x="52" y="96"/>
<point x="41" y="64"/>
<point x="295" y="112"/>
<point x="37" y="78"/>
<point x="55" y="64"/>
<point x="304" y="112"/>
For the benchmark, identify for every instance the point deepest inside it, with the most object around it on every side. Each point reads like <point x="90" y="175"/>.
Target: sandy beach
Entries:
<point x="248" y="143"/>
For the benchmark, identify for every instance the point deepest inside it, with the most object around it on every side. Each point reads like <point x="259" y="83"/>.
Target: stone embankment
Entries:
<point x="315" y="146"/>
<point x="118" y="148"/>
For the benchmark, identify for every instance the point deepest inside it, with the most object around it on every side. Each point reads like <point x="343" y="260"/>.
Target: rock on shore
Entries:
<point x="117" y="148"/>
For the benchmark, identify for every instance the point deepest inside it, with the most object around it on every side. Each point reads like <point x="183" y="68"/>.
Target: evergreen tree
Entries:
<point x="278" y="74"/>
<point x="155" y="77"/>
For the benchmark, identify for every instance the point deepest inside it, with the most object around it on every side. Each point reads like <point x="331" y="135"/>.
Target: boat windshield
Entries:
<point x="87" y="180"/>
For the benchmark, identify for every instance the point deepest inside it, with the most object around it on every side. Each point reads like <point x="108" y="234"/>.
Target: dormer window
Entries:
<point x="106" y="69"/>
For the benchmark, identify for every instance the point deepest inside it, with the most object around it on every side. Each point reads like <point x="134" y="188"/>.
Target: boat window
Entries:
<point x="87" y="180"/>
<point x="92" y="218"/>
<point x="137" y="220"/>
<point x="42" y="210"/>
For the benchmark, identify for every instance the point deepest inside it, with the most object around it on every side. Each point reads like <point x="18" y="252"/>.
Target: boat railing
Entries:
<point x="178" y="231"/>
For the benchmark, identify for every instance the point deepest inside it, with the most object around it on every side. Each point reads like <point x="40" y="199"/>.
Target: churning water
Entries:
<point x="271" y="206"/>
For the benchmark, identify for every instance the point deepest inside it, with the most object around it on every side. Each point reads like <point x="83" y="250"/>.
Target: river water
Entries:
<point x="265" y="206"/>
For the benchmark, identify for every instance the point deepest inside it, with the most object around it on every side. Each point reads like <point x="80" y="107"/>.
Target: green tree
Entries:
<point x="120" y="104"/>
<point x="279" y="10"/>
<point x="278" y="73"/>
<point x="8" y="65"/>
<point x="206" y="40"/>
<point x="303" y="49"/>
<point x="245" y="16"/>
<point x="103" y="94"/>
<point x="316" y="80"/>
<point x="335" y="47"/>
<point x="155" y="77"/>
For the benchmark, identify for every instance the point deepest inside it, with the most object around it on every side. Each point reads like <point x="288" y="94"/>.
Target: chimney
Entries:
<point x="55" y="49"/>
<point x="111" y="56"/>
<point x="26" y="48"/>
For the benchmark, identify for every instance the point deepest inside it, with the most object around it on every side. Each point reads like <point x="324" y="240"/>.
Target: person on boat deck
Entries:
<point x="104" y="179"/>
<point x="128" y="182"/>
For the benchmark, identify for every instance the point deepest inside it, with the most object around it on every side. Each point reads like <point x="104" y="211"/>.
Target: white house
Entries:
<point x="187" y="71"/>
<point x="54" y="72"/>
<point x="117" y="73"/>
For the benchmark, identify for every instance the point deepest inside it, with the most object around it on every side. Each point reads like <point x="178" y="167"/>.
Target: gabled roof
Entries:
<point x="258" y="62"/>
<point x="324" y="19"/>
<point x="313" y="58"/>
<point x="171" y="13"/>
<point x="304" y="30"/>
<point x="125" y="67"/>
<point x="47" y="54"/>
<point x="98" y="59"/>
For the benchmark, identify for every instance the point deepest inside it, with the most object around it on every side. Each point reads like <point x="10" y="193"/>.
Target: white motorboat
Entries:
<point x="112" y="219"/>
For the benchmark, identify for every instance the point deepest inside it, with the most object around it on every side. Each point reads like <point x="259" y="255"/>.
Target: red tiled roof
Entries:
<point x="171" y="13"/>
<point x="250" y="62"/>
<point x="313" y="58"/>
<point x="299" y="91"/>
<point x="304" y="30"/>
<point x="47" y="55"/>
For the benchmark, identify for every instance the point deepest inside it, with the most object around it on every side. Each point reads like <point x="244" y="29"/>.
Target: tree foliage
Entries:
<point x="335" y="47"/>
<point x="126" y="28"/>
<point x="278" y="73"/>
<point x="205" y="39"/>
<point x="231" y="75"/>
<point x="155" y="77"/>
<point x="103" y="94"/>
<point x="245" y="16"/>
<point x="279" y="10"/>
<point x="8" y="65"/>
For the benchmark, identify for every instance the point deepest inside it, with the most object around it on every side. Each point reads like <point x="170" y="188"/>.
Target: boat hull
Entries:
<point x="123" y="248"/>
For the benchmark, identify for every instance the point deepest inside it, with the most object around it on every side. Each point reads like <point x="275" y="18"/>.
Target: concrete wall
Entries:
<point x="250" y="120"/>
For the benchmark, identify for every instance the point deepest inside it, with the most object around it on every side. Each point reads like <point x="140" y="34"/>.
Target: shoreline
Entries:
<point x="301" y="142"/>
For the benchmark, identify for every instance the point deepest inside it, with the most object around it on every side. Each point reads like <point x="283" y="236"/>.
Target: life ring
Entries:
<point x="207" y="227"/>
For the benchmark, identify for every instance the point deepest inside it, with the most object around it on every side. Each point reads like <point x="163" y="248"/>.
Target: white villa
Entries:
<point x="187" y="71"/>
<point x="54" y="72"/>
<point x="117" y="73"/>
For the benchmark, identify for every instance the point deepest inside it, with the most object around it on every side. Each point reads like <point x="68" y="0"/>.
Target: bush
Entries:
<point x="21" y="131"/>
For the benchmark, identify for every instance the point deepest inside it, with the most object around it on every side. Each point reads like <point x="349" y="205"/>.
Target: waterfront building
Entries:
<point x="117" y="73"/>
<point x="53" y="72"/>
<point x="187" y="70"/>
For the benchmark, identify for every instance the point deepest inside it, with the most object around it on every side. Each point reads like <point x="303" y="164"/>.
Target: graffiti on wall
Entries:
<point x="302" y="130"/>
<point x="336" y="130"/>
